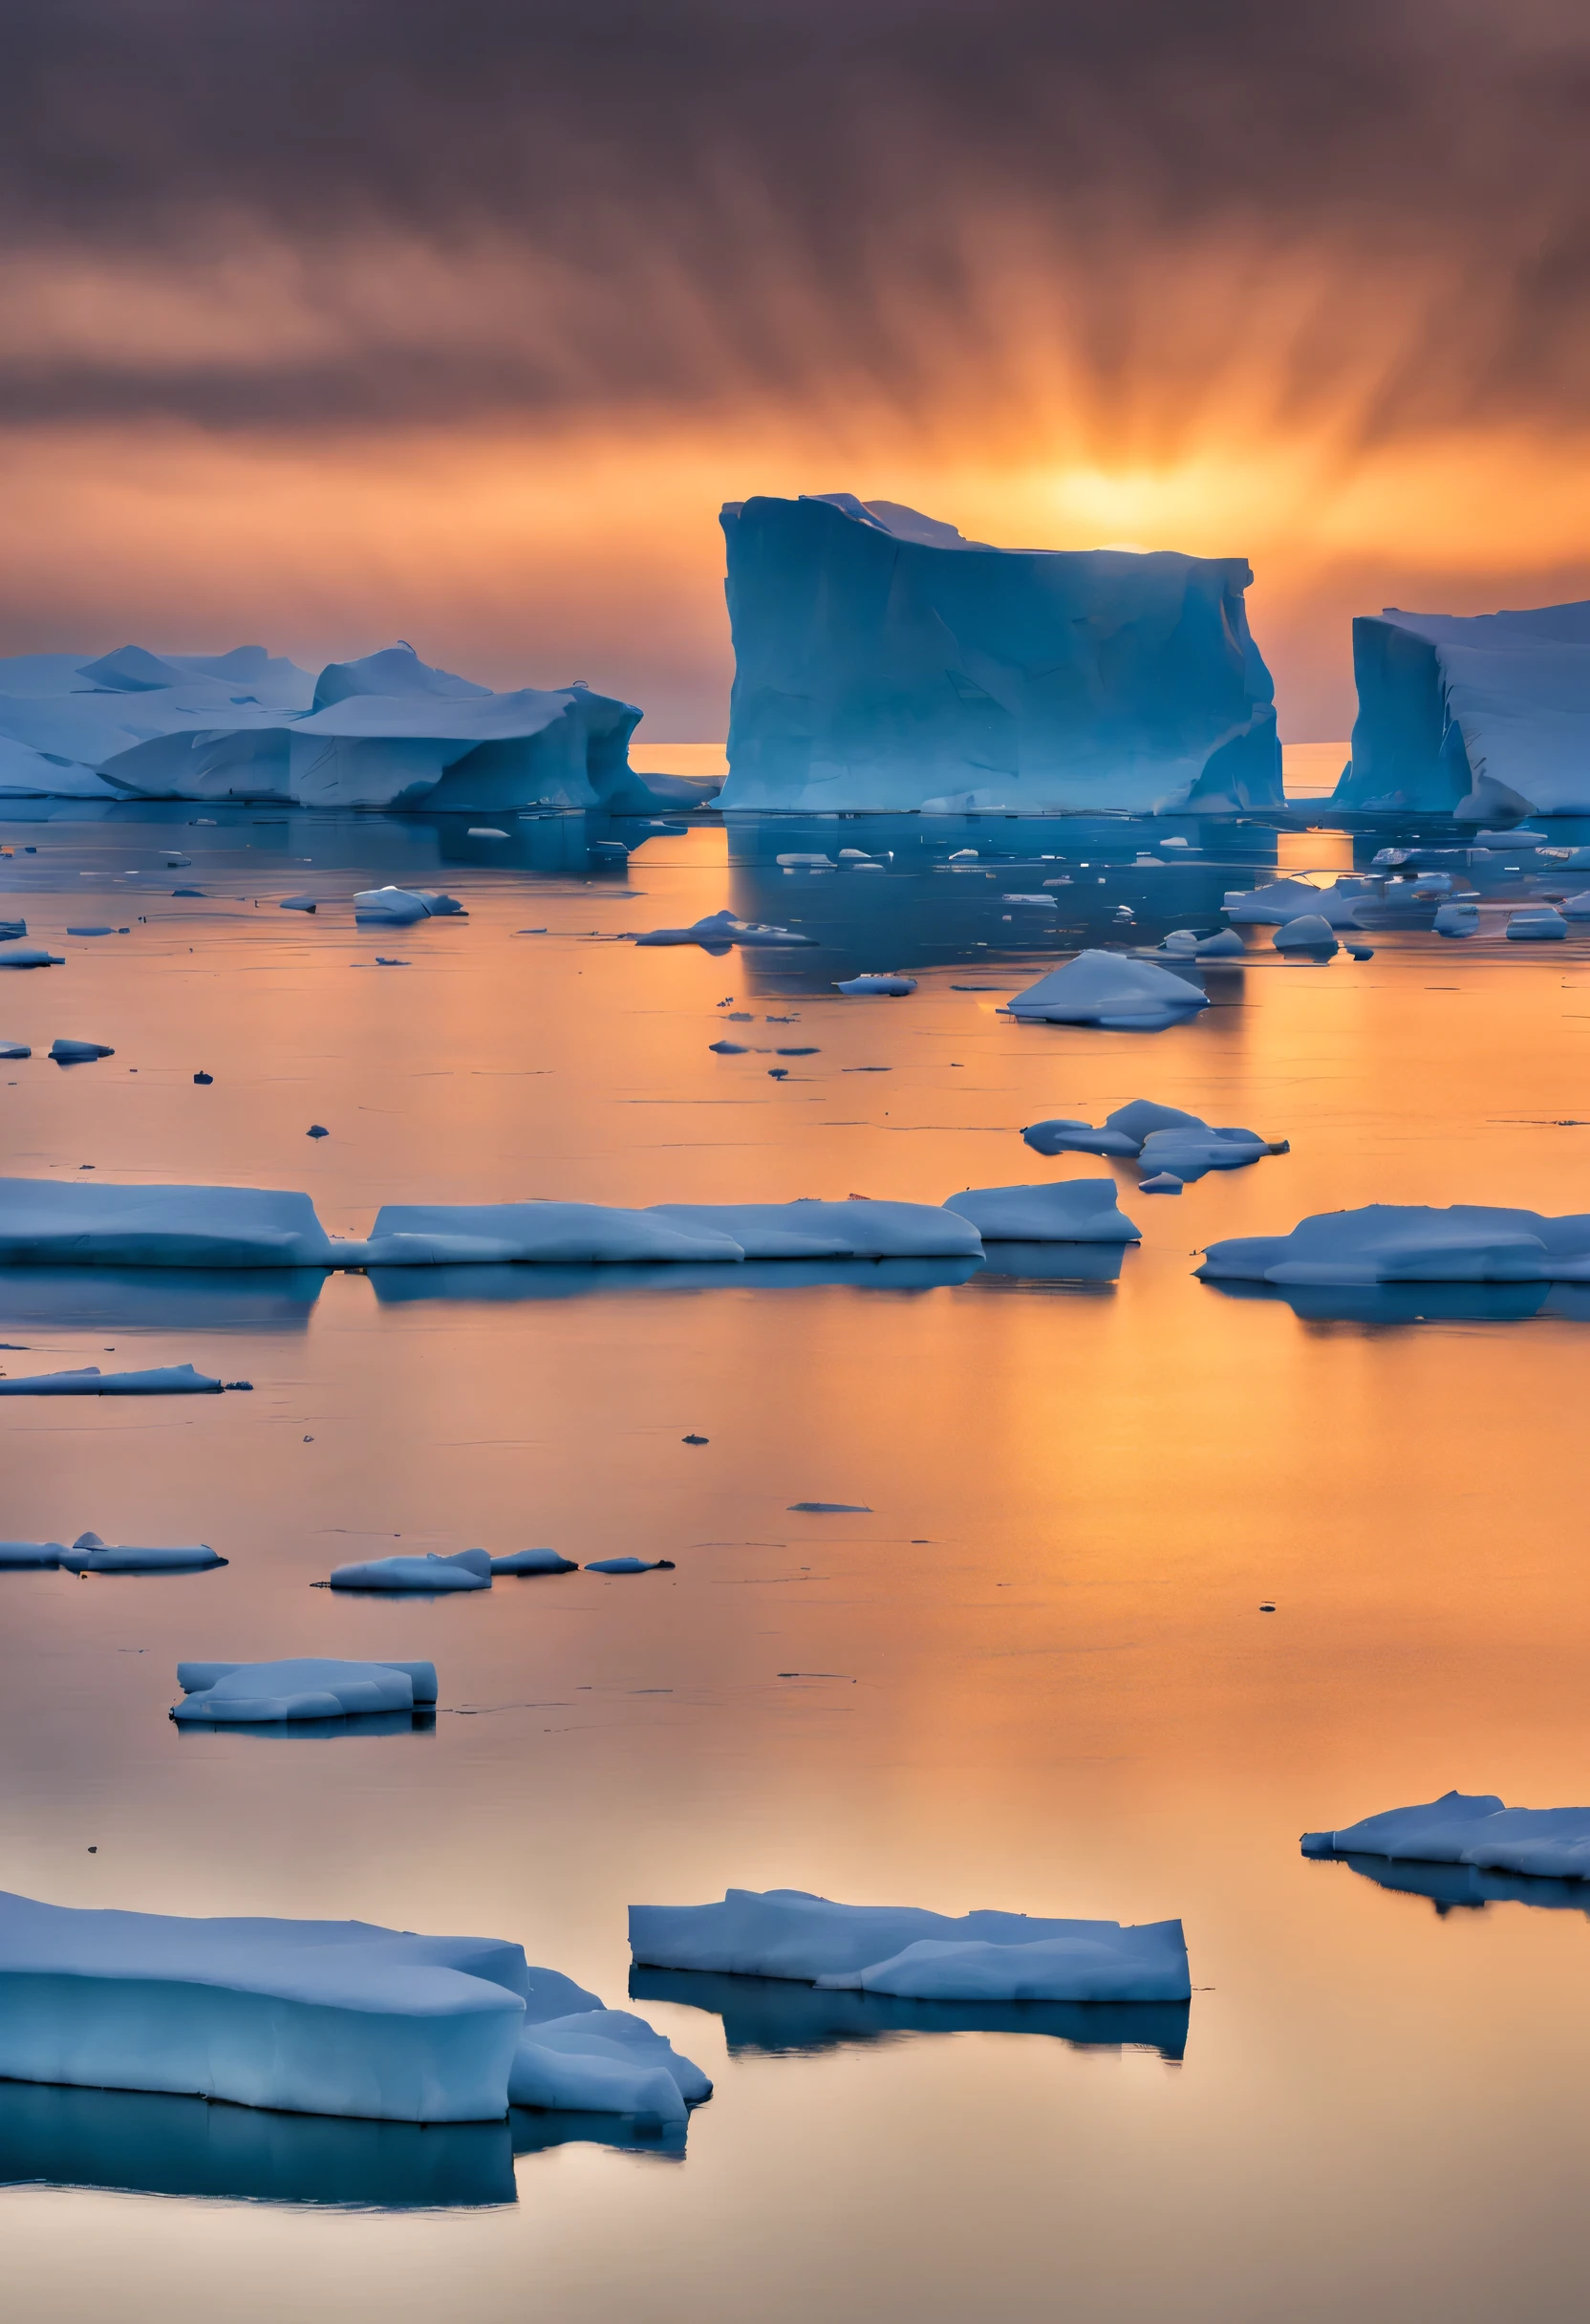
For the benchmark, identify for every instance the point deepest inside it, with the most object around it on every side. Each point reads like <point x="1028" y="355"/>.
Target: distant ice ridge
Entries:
<point x="982" y="1956"/>
<point x="1395" y="1243"/>
<point x="387" y="731"/>
<point x="1477" y="716"/>
<point x="1469" y="1828"/>
<point x="311" y="1687"/>
<point x="883" y="661"/>
<point x="337" y="2017"/>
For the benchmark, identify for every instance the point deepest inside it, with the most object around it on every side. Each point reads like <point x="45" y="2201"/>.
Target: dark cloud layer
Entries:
<point x="622" y="204"/>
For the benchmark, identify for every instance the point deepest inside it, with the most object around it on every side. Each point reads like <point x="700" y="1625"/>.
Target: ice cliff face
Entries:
<point x="883" y="661"/>
<point x="388" y="731"/>
<point x="1473" y="716"/>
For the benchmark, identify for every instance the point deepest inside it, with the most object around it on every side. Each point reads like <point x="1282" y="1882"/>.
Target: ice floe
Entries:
<point x="330" y="2017"/>
<point x="881" y="660"/>
<point x="1540" y="924"/>
<point x="43" y="1224"/>
<point x="718" y="931"/>
<point x="307" y="1686"/>
<point x="533" y="1561"/>
<point x="878" y="981"/>
<point x="87" y="1380"/>
<point x="809" y="1228"/>
<point x="89" y="1555"/>
<point x="630" y="1565"/>
<point x="1310" y="933"/>
<point x="1391" y="1244"/>
<point x="993" y="1956"/>
<point x="401" y="907"/>
<point x="466" y="1569"/>
<point x="1463" y="919"/>
<point x="34" y="1555"/>
<point x="1160" y="1138"/>
<point x="1469" y="1828"/>
<point x="1109" y="990"/>
<point x="1071" y="1210"/>
<point x="29" y="956"/>
<point x="78" y="1052"/>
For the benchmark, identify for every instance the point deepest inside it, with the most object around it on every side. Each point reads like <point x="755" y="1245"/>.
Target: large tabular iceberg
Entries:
<point x="44" y="1223"/>
<point x="982" y="1956"/>
<point x="1469" y="1828"/>
<point x="881" y="660"/>
<point x="1475" y="716"/>
<point x="387" y="731"/>
<point x="337" y="2017"/>
<point x="1396" y="1243"/>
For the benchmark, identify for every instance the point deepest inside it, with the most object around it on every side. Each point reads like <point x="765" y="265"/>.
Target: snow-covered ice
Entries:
<point x="1391" y="1244"/>
<point x="1469" y="1828"/>
<point x="1460" y="920"/>
<point x="1475" y="716"/>
<point x="533" y="1561"/>
<point x="630" y="1565"/>
<point x="1540" y="924"/>
<point x="1111" y="991"/>
<point x="162" y="1380"/>
<point x="43" y="1224"/>
<point x="67" y="1052"/>
<point x="878" y="981"/>
<point x="411" y="1234"/>
<point x="813" y="1229"/>
<point x="337" y="2017"/>
<point x="466" y="1569"/>
<point x="1161" y="1138"/>
<point x="30" y="1554"/>
<point x="883" y="661"/>
<point x="89" y="1555"/>
<point x="309" y="1687"/>
<point x="901" y="1949"/>
<point x="1071" y="1210"/>
<point x="1309" y="932"/>
<point x="29" y="956"/>
<point x="718" y="931"/>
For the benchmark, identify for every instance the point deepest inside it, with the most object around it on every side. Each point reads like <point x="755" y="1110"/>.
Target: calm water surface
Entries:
<point x="1034" y="1675"/>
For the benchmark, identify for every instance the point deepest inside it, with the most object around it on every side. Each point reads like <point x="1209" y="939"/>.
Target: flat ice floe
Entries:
<point x="533" y="1561"/>
<point x="89" y="1555"/>
<point x="1393" y="1243"/>
<point x="1160" y="1138"/>
<point x="1071" y="1210"/>
<point x="984" y="1956"/>
<point x="466" y="1569"/>
<point x="1469" y="1828"/>
<point x="718" y="931"/>
<point x="337" y="2017"/>
<point x="165" y="1380"/>
<point x="309" y="1687"/>
<point x="43" y="1224"/>
<point x="877" y="983"/>
<point x="1109" y="990"/>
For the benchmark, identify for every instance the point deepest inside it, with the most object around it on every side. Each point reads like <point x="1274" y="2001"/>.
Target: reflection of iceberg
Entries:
<point x="148" y="2143"/>
<point x="883" y="661"/>
<point x="400" y="1286"/>
<point x="1479" y="716"/>
<point x="1463" y="1888"/>
<point x="209" y="1298"/>
<point x="1411" y="1303"/>
<point x="1052" y="1262"/>
<point x="774" y="2015"/>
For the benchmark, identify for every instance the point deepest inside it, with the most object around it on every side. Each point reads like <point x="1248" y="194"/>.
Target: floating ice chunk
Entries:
<point x="12" y="930"/>
<point x="13" y="1052"/>
<point x="605" y="2061"/>
<point x="1391" y="1244"/>
<point x="309" y="1686"/>
<point x="1185" y="943"/>
<point x="46" y="1224"/>
<point x="829" y="1509"/>
<point x="89" y="1555"/>
<point x="1282" y="900"/>
<point x="97" y="931"/>
<point x="466" y="1569"/>
<point x="1162" y="1182"/>
<point x="78" y="1052"/>
<point x="630" y="1565"/>
<point x="1189" y="1151"/>
<point x="875" y="981"/>
<point x="1071" y="1210"/>
<point x="33" y="1554"/>
<point x="883" y="661"/>
<point x="394" y="906"/>
<point x="1463" y="919"/>
<point x="717" y="931"/>
<point x="1310" y="933"/>
<point x="298" y="903"/>
<point x="1064" y="1136"/>
<point x="166" y="1380"/>
<point x="409" y="1234"/>
<point x="29" y="956"/>
<point x="1540" y="925"/>
<point x="1040" y="903"/>
<point x="728" y="1049"/>
<point x="1468" y="1828"/>
<point x="811" y="1229"/>
<point x="533" y="1561"/>
<point x="485" y="831"/>
<point x="1108" y="990"/>
<point x="901" y="1949"/>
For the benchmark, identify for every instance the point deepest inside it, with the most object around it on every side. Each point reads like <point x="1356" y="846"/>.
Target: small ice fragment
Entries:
<point x="78" y="1052"/>
<point x="318" y="1130"/>
<point x="533" y="1561"/>
<point x="878" y="981"/>
<point x="777" y="1073"/>
<point x="297" y="903"/>
<point x="794" y="1052"/>
<point x="106" y="930"/>
<point x="694" y="1440"/>
<point x="1039" y="903"/>
<point x="1309" y="932"/>
<point x="631" y="1565"/>
<point x="204" y="1079"/>
<point x="1109" y="991"/>
<point x="386" y="964"/>
<point x="1536" y="925"/>
<point x="1162" y="1182"/>
<point x="29" y="956"/>
<point x="485" y="831"/>
<point x="728" y="1049"/>
<point x="236" y="1385"/>
<point x="1359" y="951"/>
<point x="467" y="1569"/>
<point x="830" y="1509"/>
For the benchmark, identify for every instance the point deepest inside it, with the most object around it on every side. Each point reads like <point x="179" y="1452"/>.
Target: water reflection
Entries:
<point x="469" y="1286"/>
<point x="1465" y="1887"/>
<point x="774" y="2016"/>
<point x="205" y="1299"/>
<point x="368" y="1723"/>
<point x="1389" y="1304"/>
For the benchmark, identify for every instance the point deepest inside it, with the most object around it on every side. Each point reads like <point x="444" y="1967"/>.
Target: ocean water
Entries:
<point x="1034" y="1675"/>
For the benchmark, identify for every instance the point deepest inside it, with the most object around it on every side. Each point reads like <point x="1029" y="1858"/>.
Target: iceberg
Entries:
<point x="533" y="1561"/>
<point x="718" y="931"/>
<point x="1541" y="925"/>
<point x="982" y="1956"/>
<point x="164" y="1380"/>
<point x="34" y="1555"/>
<point x="43" y="1224"/>
<point x="1469" y="1828"/>
<point x="29" y="956"/>
<point x="877" y="983"/>
<point x="329" y="2018"/>
<point x="1108" y="990"/>
<point x="1072" y="1210"/>
<point x="311" y="1686"/>
<point x="808" y="1227"/>
<point x="883" y="661"/>
<point x="1395" y="1243"/>
<point x="1475" y="716"/>
<point x="89" y="1555"/>
<point x="1309" y="932"/>
<point x="631" y="1565"/>
<point x="466" y="1569"/>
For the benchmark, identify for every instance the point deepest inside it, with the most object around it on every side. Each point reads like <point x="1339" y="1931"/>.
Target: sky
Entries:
<point x="332" y="321"/>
